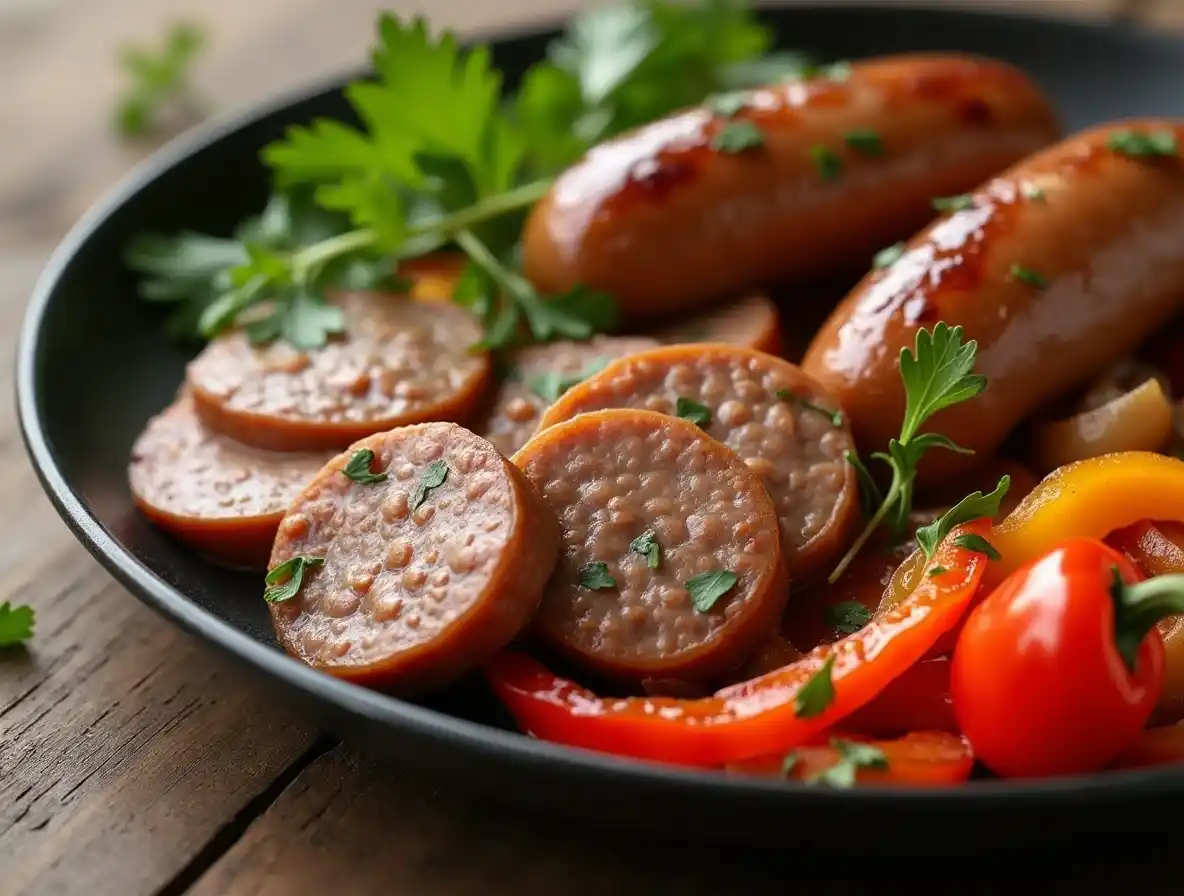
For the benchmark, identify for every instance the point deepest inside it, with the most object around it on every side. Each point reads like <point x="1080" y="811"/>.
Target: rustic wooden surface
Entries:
<point x="133" y="760"/>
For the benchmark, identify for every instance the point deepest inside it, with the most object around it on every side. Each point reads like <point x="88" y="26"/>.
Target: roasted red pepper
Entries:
<point x="756" y="717"/>
<point x="919" y="700"/>
<point x="1057" y="670"/>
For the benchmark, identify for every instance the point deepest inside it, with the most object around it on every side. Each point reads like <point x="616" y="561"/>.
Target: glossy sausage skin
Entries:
<point x="666" y="223"/>
<point x="1102" y="231"/>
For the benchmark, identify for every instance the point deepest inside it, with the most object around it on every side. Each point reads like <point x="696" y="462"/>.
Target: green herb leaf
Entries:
<point x="1033" y="192"/>
<point x="937" y="571"/>
<point x="835" y="416"/>
<point x="358" y="468"/>
<point x="974" y="506"/>
<point x="708" y="587"/>
<point x="848" y="616"/>
<point x="1143" y="145"/>
<point x="1029" y="276"/>
<point x="16" y="624"/>
<point x="596" y="576"/>
<point x="647" y="545"/>
<point x="692" y="411"/>
<point x="870" y="496"/>
<point x="953" y="203"/>
<point x="434" y="477"/>
<point x="788" y="764"/>
<point x="727" y="104"/>
<point x="853" y="756"/>
<point x="937" y="374"/>
<point x="817" y="694"/>
<point x="738" y="136"/>
<point x="828" y="162"/>
<point x="839" y="72"/>
<point x="972" y="542"/>
<point x="159" y="78"/>
<point x="551" y="385"/>
<point x="283" y="582"/>
<point x="888" y="256"/>
<point x="866" y="141"/>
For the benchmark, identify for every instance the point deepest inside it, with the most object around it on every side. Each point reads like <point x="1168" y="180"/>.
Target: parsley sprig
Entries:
<point x="16" y="623"/>
<point x="937" y="374"/>
<point x="159" y="78"/>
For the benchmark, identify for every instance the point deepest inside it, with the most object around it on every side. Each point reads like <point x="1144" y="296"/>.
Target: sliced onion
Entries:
<point x="1137" y="420"/>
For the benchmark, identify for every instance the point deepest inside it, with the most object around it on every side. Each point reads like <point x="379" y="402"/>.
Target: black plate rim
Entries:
<point x="411" y="720"/>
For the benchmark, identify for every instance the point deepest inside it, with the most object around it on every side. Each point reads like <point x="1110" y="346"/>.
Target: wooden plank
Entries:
<point x="1157" y="13"/>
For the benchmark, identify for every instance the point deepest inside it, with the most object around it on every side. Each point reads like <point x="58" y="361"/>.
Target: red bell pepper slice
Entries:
<point x="755" y="717"/>
<point x="1156" y="746"/>
<point x="919" y="700"/>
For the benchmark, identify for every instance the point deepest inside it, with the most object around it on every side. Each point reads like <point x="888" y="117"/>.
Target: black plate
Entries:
<point x="92" y="367"/>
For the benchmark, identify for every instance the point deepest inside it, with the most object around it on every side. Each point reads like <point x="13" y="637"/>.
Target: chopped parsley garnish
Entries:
<point x="434" y="477"/>
<point x="953" y="203"/>
<point x="692" y="411"/>
<point x="974" y="506"/>
<point x="727" y="104"/>
<point x="708" y="587"/>
<point x="852" y="756"/>
<point x="551" y="385"/>
<point x="888" y="256"/>
<point x="937" y="571"/>
<point x="866" y="141"/>
<point x="1143" y="145"/>
<point x="973" y="542"/>
<point x="647" y="545"/>
<point x="16" y="624"/>
<point x="848" y="616"/>
<point x="738" y="136"/>
<point x="817" y="694"/>
<point x="158" y="79"/>
<point x="838" y="72"/>
<point x="1033" y="192"/>
<point x="828" y="162"/>
<point x="596" y="576"/>
<point x="835" y="416"/>
<point x="1029" y="276"/>
<point x="358" y="468"/>
<point x="285" y="580"/>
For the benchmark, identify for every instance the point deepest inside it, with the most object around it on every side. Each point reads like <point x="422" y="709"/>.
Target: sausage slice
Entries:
<point x="541" y="373"/>
<point x="751" y="321"/>
<point x="423" y="573"/>
<point x="223" y="498"/>
<point x="399" y="362"/>
<point x="784" y="425"/>
<point x="654" y="514"/>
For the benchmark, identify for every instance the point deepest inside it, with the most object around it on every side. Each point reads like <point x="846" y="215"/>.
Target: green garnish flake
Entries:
<point x="647" y="545"/>
<point x="828" y="162"/>
<point x="788" y="764"/>
<point x="727" y="104"/>
<point x="358" y="468"/>
<point x="708" y="587"/>
<point x="1029" y="276"/>
<point x="853" y="756"/>
<point x="834" y="416"/>
<point x="958" y="203"/>
<point x="866" y="141"/>
<point x="974" y="542"/>
<point x="888" y="256"/>
<point x="817" y="694"/>
<point x="839" y="71"/>
<point x="596" y="576"/>
<point x="159" y="78"/>
<point x="1140" y="145"/>
<point x="692" y="411"/>
<point x="433" y="478"/>
<point x="738" y="136"/>
<point x="937" y="571"/>
<point x="1033" y="192"/>
<point x="551" y="385"/>
<point x="16" y="624"/>
<point x="848" y="616"/>
<point x="974" y="506"/>
<point x="285" y="580"/>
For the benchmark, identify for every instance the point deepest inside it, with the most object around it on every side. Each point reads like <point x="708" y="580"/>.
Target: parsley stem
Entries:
<point x="334" y="247"/>
<point x="890" y="498"/>
<point x="484" y="209"/>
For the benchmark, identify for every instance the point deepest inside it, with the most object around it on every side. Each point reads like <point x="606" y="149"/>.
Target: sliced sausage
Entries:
<point x="424" y="574"/>
<point x="398" y="362"/>
<point x="538" y="375"/>
<point x="751" y="321"/>
<point x="666" y="222"/>
<point x="1058" y="268"/>
<point x="223" y="498"/>
<point x="785" y="427"/>
<point x="653" y="511"/>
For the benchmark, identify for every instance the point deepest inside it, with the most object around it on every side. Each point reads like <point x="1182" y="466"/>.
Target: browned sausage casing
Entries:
<point x="666" y="223"/>
<point x="1063" y="265"/>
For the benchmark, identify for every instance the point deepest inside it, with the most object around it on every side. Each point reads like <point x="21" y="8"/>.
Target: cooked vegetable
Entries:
<point x="1155" y="746"/>
<point x="1057" y="670"/>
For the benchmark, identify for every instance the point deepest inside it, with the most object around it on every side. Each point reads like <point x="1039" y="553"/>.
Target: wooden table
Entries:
<point x="132" y="759"/>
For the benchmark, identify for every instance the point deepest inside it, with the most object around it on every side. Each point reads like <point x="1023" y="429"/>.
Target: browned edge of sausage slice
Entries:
<point x="419" y="584"/>
<point x="540" y="373"/>
<point x="400" y="361"/>
<point x="1057" y="267"/>
<point x="220" y="497"/>
<point x="751" y="321"/>
<point x="612" y="477"/>
<point x="766" y="410"/>
<point x="666" y="222"/>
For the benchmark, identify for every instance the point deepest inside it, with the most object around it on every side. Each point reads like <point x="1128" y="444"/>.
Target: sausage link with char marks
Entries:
<point x="612" y="476"/>
<point x="1061" y="266"/>
<point x="411" y="597"/>
<point x="777" y="419"/>
<point x="667" y="223"/>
